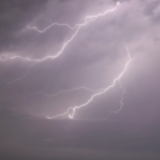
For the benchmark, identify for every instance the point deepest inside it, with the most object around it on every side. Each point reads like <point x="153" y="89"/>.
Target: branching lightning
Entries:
<point x="77" y="28"/>
<point x="121" y="102"/>
<point x="72" y="110"/>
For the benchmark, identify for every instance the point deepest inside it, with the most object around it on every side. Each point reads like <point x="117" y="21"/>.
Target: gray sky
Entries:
<point x="95" y="57"/>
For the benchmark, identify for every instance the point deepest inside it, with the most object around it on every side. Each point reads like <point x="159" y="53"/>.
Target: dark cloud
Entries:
<point x="92" y="60"/>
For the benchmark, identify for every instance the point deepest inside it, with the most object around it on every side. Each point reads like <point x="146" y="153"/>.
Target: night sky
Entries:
<point x="122" y="123"/>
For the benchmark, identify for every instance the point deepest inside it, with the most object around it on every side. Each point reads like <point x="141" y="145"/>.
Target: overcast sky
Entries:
<point x="95" y="57"/>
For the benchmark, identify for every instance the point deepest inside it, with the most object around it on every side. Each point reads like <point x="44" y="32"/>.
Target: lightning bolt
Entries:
<point x="71" y="111"/>
<point x="77" y="28"/>
<point x="74" y="109"/>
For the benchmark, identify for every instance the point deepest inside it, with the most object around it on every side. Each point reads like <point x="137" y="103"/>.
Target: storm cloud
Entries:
<point x="95" y="57"/>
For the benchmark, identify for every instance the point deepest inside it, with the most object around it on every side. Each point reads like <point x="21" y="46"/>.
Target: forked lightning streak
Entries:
<point x="72" y="110"/>
<point x="77" y="28"/>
